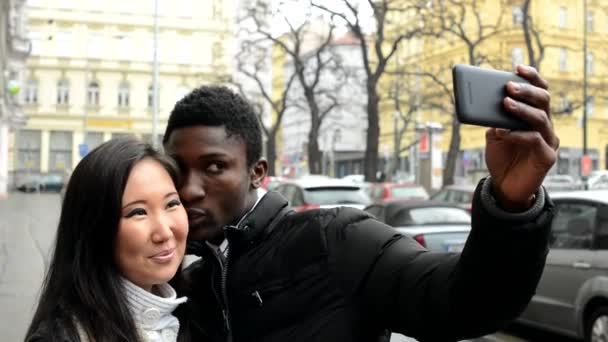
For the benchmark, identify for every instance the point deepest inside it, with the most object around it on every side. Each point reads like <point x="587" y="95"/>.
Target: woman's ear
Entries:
<point x="258" y="173"/>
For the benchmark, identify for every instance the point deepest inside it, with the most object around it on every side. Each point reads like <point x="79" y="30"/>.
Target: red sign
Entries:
<point x="424" y="143"/>
<point x="586" y="165"/>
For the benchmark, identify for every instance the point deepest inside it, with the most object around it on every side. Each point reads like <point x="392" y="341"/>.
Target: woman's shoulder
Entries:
<point x="54" y="330"/>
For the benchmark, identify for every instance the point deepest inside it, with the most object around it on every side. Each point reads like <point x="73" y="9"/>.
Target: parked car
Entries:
<point x="435" y="225"/>
<point x="272" y="182"/>
<point x="598" y="179"/>
<point x="554" y="183"/>
<point x="383" y="192"/>
<point x="323" y="192"/>
<point x="572" y="295"/>
<point x="40" y="183"/>
<point x="461" y="195"/>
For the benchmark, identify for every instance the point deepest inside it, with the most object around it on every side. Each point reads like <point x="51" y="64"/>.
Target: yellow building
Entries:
<point x="560" y="26"/>
<point x="90" y="72"/>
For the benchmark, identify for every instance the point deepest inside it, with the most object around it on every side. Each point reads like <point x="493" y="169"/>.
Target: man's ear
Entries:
<point x="258" y="173"/>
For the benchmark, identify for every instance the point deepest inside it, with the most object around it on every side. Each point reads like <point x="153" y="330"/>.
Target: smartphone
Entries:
<point x="479" y="95"/>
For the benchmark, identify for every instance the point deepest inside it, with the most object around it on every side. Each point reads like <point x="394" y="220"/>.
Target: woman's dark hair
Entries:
<point x="83" y="282"/>
<point x="219" y="106"/>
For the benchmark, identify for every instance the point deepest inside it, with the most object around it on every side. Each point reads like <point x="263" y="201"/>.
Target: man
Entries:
<point x="269" y="274"/>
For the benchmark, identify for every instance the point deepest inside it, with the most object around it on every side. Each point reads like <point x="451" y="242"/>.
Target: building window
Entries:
<point x="590" y="20"/>
<point x="93" y="94"/>
<point x="563" y="59"/>
<point x="563" y="105"/>
<point x="216" y="52"/>
<point x="518" y="15"/>
<point x="28" y="154"/>
<point x="31" y="92"/>
<point x="590" y="64"/>
<point x="64" y="44"/>
<point x="94" y="45"/>
<point x="184" y="52"/>
<point x="60" y="156"/>
<point x="35" y="42"/>
<point x="217" y="9"/>
<point x="181" y="92"/>
<point x="124" y="48"/>
<point x="94" y="139"/>
<point x="63" y="92"/>
<point x="563" y="17"/>
<point x="590" y="106"/>
<point x="185" y="8"/>
<point x="517" y="56"/>
<point x="123" y="95"/>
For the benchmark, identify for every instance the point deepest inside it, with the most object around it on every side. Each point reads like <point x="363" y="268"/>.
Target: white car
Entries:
<point x="314" y="192"/>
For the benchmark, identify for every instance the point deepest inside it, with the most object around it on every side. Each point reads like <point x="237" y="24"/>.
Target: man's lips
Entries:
<point x="196" y="216"/>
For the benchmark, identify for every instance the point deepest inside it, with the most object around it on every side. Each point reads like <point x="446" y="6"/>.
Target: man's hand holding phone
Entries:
<point x="518" y="161"/>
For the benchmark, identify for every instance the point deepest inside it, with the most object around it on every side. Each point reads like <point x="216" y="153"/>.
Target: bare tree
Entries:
<point x="377" y="49"/>
<point x="252" y="62"/>
<point x="309" y="65"/>
<point x="465" y="21"/>
<point x="532" y="37"/>
<point x="407" y="98"/>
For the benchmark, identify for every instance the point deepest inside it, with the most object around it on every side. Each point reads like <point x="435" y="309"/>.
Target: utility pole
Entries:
<point x="155" y="80"/>
<point x="585" y="99"/>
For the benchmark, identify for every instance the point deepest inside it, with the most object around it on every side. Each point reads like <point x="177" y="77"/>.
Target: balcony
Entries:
<point x="20" y="47"/>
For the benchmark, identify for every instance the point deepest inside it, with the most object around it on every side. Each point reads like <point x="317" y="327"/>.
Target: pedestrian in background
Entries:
<point x="121" y="238"/>
<point x="270" y="274"/>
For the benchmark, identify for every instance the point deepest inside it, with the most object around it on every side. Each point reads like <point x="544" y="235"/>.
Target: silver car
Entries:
<point x="437" y="226"/>
<point x="572" y="296"/>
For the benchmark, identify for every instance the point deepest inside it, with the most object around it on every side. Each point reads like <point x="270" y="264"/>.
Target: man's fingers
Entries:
<point x="537" y="118"/>
<point x="532" y="95"/>
<point x="532" y="75"/>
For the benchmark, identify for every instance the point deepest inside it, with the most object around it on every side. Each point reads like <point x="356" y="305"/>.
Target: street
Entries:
<point x="27" y="229"/>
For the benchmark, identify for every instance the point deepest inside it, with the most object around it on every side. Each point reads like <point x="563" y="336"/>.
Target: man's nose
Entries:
<point x="192" y="188"/>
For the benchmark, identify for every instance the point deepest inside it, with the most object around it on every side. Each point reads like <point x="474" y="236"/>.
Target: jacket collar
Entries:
<point x="250" y="227"/>
<point x="257" y="221"/>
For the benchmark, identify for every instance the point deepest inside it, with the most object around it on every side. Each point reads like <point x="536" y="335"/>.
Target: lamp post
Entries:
<point x="585" y="99"/>
<point x="155" y="80"/>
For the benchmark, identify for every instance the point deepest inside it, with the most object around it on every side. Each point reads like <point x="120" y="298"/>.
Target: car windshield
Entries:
<point x="335" y="195"/>
<point x="429" y="216"/>
<point x="409" y="192"/>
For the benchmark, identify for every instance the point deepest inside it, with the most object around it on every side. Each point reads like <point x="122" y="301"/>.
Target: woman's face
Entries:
<point x="153" y="227"/>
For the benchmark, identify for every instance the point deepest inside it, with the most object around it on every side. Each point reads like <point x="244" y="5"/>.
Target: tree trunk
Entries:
<point x="314" y="154"/>
<point x="528" y="35"/>
<point x="373" y="133"/>
<point x="271" y="153"/>
<point x="450" y="167"/>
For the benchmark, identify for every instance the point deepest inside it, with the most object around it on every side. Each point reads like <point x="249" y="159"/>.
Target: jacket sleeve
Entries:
<point x="442" y="296"/>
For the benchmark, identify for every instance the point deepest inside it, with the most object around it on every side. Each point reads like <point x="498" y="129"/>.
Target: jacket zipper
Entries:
<point x="225" y="294"/>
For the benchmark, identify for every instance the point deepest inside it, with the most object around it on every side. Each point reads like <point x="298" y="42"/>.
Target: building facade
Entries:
<point x="14" y="48"/>
<point x="90" y="73"/>
<point x="560" y="26"/>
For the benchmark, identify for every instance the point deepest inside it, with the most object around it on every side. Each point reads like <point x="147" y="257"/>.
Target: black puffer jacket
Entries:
<point x="340" y="275"/>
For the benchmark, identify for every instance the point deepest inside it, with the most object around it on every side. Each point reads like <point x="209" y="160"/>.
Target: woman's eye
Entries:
<point x="134" y="212"/>
<point x="174" y="203"/>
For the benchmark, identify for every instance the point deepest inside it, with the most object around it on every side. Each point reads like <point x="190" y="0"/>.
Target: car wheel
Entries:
<point x="597" y="326"/>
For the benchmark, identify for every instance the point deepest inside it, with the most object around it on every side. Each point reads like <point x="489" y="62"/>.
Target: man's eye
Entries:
<point x="215" y="167"/>
<point x="134" y="212"/>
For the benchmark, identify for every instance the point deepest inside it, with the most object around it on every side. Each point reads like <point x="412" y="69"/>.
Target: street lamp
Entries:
<point x="585" y="99"/>
<point x="155" y="80"/>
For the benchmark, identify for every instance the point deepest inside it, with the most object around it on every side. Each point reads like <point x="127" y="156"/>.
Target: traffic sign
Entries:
<point x="83" y="149"/>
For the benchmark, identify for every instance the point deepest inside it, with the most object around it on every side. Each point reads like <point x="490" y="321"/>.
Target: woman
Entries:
<point x="121" y="237"/>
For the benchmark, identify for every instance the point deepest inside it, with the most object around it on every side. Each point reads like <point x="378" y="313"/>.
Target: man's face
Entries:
<point x="217" y="187"/>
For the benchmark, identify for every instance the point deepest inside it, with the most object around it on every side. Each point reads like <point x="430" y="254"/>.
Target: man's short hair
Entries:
<point x="219" y="106"/>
